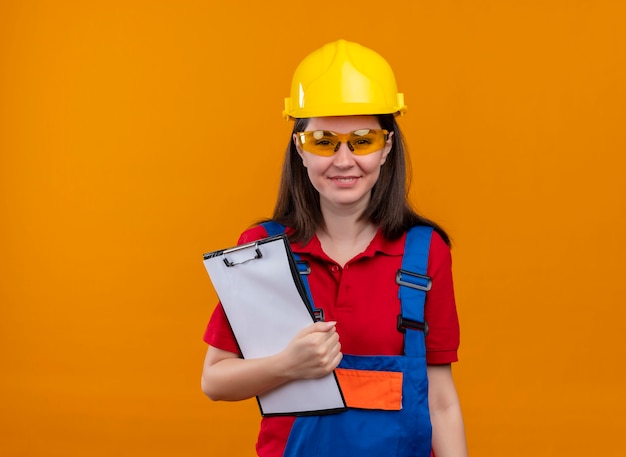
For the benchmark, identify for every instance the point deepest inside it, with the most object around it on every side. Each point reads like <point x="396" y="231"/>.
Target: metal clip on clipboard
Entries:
<point x="255" y="245"/>
<point x="303" y="266"/>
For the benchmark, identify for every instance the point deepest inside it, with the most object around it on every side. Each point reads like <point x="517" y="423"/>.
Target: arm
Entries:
<point x="314" y="352"/>
<point x="445" y="413"/>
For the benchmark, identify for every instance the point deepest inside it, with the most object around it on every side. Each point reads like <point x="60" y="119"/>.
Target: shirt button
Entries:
<point x="334" y="268"/>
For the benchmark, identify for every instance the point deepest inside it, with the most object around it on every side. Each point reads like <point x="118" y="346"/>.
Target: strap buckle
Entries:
<point x="303" y="267"/>
<point x="414" y="280"/>
<point x="410" y="324"/>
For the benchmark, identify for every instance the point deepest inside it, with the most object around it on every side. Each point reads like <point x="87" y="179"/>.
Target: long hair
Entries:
<point x="298" y="202"/>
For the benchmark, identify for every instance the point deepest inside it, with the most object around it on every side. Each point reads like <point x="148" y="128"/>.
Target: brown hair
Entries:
<point x="298" y="202"/>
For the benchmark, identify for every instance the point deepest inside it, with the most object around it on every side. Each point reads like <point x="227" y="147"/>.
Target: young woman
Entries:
<point x="343" y="201"/>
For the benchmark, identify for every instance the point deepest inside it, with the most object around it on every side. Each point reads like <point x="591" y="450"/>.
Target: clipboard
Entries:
<point x="266" y="305"/>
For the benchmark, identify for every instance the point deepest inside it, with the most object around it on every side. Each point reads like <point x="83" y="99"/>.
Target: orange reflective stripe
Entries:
<point x="371" y="389"/>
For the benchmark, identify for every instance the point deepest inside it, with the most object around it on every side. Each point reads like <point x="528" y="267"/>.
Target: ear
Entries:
<point x="299" y="149"/>
<point x="387" y="149"/>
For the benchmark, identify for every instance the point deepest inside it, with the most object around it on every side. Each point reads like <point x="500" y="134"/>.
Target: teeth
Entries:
<point x="344" y="179"/>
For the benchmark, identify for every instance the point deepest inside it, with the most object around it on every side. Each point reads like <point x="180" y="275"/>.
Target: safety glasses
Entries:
<point x="326" y="143"/>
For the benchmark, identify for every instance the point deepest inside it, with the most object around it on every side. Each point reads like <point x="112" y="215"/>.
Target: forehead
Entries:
<point x="343" y="124"/>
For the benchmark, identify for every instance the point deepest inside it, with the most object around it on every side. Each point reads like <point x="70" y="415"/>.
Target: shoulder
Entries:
<point x="251" y="234"/>
<point x="438" y="246"/>
<point x="259" y="231"/>
<point x="438" y="254"/>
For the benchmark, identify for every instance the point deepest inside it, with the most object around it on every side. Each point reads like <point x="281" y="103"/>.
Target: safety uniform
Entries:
<point x="363" y="298"/>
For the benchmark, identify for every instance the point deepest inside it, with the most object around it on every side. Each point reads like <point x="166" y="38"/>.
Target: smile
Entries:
<point x="345" y="179"/>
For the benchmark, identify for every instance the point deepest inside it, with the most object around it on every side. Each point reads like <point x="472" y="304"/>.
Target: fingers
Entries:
<point x="324" y="339"/>
<point x="319" y="327"/>
<point x="315" y="351"/>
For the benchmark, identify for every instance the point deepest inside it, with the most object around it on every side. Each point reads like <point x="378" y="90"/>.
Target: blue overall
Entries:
<point x="374" y="432"/>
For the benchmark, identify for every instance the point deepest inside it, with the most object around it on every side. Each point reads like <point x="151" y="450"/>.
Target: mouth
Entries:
<point x="344" y="179"/>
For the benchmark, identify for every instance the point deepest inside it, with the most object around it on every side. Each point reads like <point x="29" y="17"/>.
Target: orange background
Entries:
<point x="136" y="135"/>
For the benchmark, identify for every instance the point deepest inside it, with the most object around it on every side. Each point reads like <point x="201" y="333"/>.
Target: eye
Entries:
<point x="324" y="142"/>
<point x="324" y="139"/>
<point x="362" y="137"/>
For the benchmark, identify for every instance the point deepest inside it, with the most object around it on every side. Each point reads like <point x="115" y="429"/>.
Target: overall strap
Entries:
<point x="274" y="228"/>
<point x="414" y="283"/>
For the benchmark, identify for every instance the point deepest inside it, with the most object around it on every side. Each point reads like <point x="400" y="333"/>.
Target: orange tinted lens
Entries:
<point x="320" y="142"/>
<point x="326" y="143"/>
<point x="366" y="141"/>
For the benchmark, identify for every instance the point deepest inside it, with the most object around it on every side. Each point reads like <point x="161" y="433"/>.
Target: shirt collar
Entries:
<point x="379" y="244"/>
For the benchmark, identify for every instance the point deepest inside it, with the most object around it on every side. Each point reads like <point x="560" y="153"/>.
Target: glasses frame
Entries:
<point x="343" y="138"/>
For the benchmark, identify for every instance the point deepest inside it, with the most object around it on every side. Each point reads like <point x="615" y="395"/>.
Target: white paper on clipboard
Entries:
<point x="264" y="301"/>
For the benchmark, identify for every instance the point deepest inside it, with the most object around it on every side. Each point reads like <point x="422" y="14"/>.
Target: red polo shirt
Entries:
<point x="362" y="297"/>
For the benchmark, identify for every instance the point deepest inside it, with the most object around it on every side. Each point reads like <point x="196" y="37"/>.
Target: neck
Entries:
<point x="345" y="228"/>
<point x="345" y="235"/>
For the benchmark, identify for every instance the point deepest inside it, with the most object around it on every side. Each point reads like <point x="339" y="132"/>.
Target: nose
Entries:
<point x="343" y="156"/>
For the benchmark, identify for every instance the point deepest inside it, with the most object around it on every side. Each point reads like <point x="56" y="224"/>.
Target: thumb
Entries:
<point x="317" y="327"/>
<point x="323" y="326"/>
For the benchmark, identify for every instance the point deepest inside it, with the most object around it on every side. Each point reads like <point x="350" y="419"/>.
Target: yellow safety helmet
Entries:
<point x="342" y="79"/>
